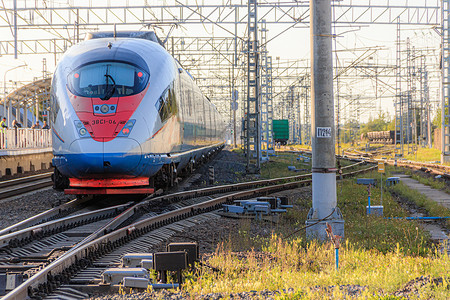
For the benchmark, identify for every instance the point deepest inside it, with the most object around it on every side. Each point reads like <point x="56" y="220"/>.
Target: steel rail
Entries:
<point x="23" y="185"/>
<point x="45" y="216"/>
<point x="60" y="270"/>
<point x="24" y="236"/>
<point x="434" y="168"/>
<point x="24" y="179"/>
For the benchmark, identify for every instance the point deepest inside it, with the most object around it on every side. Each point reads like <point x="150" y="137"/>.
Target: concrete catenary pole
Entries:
<point x="323" y="130"/>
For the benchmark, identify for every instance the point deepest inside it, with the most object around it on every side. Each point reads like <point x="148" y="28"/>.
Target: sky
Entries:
<point x="351" y="43"/>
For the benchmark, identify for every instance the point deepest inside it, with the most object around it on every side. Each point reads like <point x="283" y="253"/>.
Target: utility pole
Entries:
<point x="15" y="29"/>
<point x="324" y="203"/>
<point x="445" y="104"/>
<point x="235" y="92"/>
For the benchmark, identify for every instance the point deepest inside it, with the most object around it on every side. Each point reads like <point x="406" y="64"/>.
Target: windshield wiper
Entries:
<point x="109" y="89"/>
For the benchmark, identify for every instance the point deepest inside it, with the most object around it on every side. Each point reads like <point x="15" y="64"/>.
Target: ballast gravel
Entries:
<point x="16" y="209"/>
<point x="168" y="295"/>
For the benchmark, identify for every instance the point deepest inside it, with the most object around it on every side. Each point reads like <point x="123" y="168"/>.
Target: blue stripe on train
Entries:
<point x="88" y="164"/>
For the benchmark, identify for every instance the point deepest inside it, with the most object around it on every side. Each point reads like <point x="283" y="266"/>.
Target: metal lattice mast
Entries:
<point x="270" y="144"/>
<point x="305" y="86"/>
<point x="252" y="126"/>
<point x="398" y="99"/>
<point x="291" y="113"/>
<point x="414" y="101"/>
<point x="445" y="113"/>
<point x="427" y="108"/>
<point x="425" y="136"/>
<point x="422" y="109"/>
<point x="266" y="96"/>
<point x="298" y="117"/>
<point x="409" y="97"/>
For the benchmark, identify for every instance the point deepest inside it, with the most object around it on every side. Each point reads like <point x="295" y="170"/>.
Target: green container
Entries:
<point x="281" y="131"/>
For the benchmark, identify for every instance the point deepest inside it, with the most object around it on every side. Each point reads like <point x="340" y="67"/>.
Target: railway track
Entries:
<point x="433" y="168"/>
<point x="71" y="256"/>
<point x="15" y="187"/>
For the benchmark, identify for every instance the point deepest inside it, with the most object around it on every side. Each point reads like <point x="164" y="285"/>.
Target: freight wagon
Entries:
<point x="281" y="131"/>
<point x="381" y="137"/>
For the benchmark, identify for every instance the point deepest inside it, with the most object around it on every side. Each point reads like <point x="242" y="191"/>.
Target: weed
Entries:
<point x="286" y="264"/>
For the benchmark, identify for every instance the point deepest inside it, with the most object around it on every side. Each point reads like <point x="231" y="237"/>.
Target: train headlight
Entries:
<point x="82" y="131"/>
<point x="104" y="108"/>
<point x="126" y="130"/>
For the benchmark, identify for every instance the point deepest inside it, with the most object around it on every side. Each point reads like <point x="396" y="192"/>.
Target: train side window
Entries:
<point x="167" y="104"/>
<point x="54" y="104"/>
<point x="162" y="108"/>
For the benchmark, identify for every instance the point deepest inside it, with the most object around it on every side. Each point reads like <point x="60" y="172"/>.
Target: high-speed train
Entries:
<point x="125" y="114"/>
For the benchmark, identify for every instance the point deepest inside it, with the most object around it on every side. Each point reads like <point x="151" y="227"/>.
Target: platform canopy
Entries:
<point x="29" y="94"/>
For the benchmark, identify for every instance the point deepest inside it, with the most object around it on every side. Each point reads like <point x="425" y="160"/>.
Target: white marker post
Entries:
<point x="381" y="170"/>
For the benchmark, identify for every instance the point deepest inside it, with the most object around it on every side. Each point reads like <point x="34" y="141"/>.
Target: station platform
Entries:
<point x="16" y="161"/>
<point x="10" y="152"/>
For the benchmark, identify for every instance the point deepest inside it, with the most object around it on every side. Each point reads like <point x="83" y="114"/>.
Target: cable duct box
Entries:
<point x="190" y="248"/>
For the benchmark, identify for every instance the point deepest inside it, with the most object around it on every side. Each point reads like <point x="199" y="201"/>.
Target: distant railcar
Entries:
<point x="381" y="137"/>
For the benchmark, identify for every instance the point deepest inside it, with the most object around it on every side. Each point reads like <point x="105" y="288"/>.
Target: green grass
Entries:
<point x="373" y="232"/>
<point x="425" y="155"/>
<point x="277" y="166"/>
<point x="291" y="264"/>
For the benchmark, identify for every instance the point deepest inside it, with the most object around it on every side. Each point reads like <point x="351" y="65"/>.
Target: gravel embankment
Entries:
<point x="166" y="295"/>
<point x="15" y="209"/>
<point x="229" y="167"/>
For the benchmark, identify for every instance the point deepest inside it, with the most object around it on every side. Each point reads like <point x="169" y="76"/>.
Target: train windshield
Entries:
<point x="107" y="79"/>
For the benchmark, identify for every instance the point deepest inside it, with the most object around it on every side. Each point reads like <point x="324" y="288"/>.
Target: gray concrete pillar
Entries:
<point x="323" y="130"/>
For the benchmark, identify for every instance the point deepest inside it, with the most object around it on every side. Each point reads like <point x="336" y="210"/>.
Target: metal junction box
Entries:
<point x="170" y="261"/>
<point x="366" y="181"/>
<point x="116" y="275"/>
<point x="133" y="260"/>
<point x="190" y="248"/>
<point x="135" y="282"/>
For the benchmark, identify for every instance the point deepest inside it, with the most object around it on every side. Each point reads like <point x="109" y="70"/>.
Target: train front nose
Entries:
<point x="119" y="156"/>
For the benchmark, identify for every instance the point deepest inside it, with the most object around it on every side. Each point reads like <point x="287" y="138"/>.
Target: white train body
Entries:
<point x="122" y="109"/>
